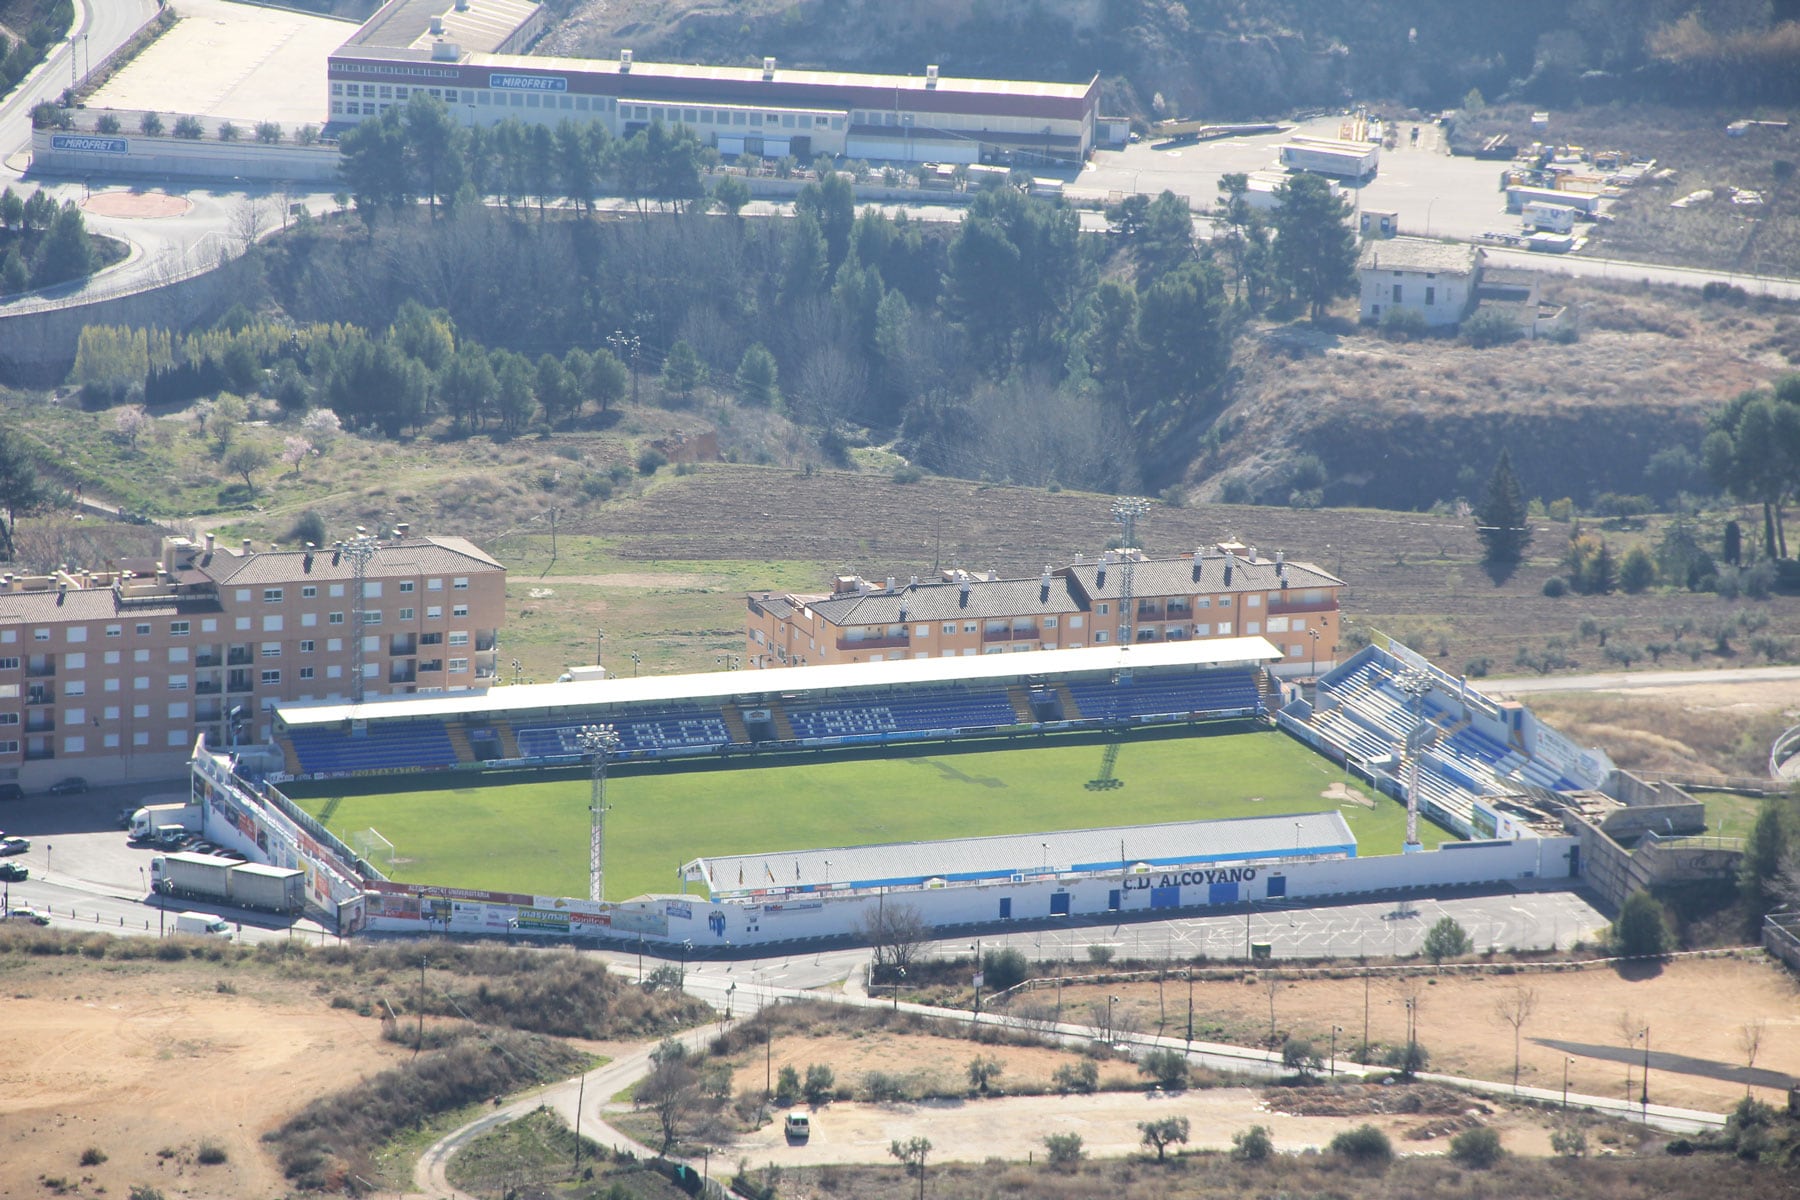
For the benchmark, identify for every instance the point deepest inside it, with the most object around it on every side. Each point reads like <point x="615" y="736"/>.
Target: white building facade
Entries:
<point x="1435" y="279"/>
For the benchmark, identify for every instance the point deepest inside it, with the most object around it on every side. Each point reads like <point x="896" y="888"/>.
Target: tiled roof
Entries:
<point x="944" y="601"/>
<point x="1419" y="254"/>
<point x="1176" y="577"/>
<point x="417" y="556"/>
<point x="76" y="604"/>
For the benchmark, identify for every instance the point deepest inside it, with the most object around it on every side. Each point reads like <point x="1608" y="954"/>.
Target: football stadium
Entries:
<point x="746" y="807"/>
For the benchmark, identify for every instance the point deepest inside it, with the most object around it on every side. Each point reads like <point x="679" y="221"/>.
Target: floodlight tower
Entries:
<point x="599" y="741"/>
<point x="1126" y="510"/>
<point x="1415" y="684"/>
<point x="359" y="550"/>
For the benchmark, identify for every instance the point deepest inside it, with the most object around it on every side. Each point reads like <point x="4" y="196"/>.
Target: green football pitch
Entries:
<point x="529" y="832"/>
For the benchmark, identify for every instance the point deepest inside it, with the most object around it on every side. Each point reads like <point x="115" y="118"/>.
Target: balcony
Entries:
<point x="433" y="664"/>
<point x="1021" y="634"/>
<point x="239" y="657"/>
<point x="485" y="640"/>
<point x="39" y="753"/>
<point x="40" y="695"/>
<point x="402" y="644"/>
<point x="1149" y="612"/>
<point x="207" y="687"/>
<point x="872" y="643"/>
<point x="41" y="723"/>
<point x="239" y="681"/>
<point x="401" y="672"/>
<point x="1287" y="608"/>
<point x="40" y="669"/>
<point x="206" y="714"/>
<point x="207" y="660"/>
<point x="431" y="639"/>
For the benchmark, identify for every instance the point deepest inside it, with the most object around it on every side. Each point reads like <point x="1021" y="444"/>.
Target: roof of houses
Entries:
<point x="1191" y="575"/>
<point x="1420" y="254"/>
<point x="412" y="556"/>
<point x="406" y="24"/>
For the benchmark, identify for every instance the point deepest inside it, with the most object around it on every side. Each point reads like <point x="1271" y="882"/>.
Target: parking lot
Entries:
<point x="1433" y="193"/>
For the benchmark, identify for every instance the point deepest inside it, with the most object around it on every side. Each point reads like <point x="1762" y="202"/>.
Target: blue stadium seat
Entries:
<point x="418" y="745"/>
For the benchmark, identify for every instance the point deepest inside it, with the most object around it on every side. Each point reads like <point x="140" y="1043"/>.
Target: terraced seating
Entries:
<point x="420" y="745"/>
<point x="904" y="714"/>
<point x="686" y="728"/>
<point x="1223" y="691"/>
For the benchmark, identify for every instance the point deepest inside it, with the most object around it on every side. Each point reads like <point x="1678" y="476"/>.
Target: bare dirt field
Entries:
<point x="137" y="1062"/>
<point x="1693" y="1007"/>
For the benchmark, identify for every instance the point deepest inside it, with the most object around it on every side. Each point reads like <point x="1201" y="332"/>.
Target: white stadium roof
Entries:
<point x="581" y="695"/>
<point x="1120" y="849"/>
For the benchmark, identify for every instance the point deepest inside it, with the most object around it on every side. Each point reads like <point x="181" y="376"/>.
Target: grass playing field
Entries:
<point x="529" y="833"/>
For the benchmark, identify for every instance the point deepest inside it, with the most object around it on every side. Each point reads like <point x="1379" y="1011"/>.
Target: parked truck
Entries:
<point x="152" y="820"/>
<point x="1543" y="217"/>
<point x="1340" y="160"/>
<point x="246" y="885"/>
<point x="204" y="924"/>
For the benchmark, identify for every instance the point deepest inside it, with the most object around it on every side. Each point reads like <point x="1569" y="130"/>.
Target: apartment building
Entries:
<point x="111" y="675"/>
<point x="1227" y="590"/>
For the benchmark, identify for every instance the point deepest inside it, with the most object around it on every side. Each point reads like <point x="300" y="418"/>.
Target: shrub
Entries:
<point x="189" y="127"/>
<point x="1490" y="328"/>
<point x="1478" y="1148"/>
<point x="907" y="474"/>
<point x="1081" y="1077"/>
<point x="1099" y="955"/>
<point x="984" y="1071"/>
<point x="1555" y="586"/>
<point x="144" y="1191"/>
<point x="1364" y="1144"/>
<point x="1571" y="1142"/>
<point x="93" y="1156"/>
<point x="211" y="1153"/>
<point x="1168" y="1067"/>
<point x="820" y="1083"/>
<point x="106" y="123"/>
<point x="1063" y="1151"/>
<point x="651" y="460"/>
<point x="1004" y="968"/>
<point x="787" y="1085"/>
<point x="1403" y="324"/>
<point x="1446" y="939"/>
<point x="1641" y="931"/>
<point x="229" y="132"/>
<point x="150" y="125"/>
<point x="1253" y="1144"/>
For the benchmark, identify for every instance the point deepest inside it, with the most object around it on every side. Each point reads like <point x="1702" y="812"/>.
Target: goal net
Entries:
<point x="373" y="848"/>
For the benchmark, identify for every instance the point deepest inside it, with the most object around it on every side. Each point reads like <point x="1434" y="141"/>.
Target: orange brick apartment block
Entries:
<point x="1224" y="591"/>
<point x="112" y="675"/>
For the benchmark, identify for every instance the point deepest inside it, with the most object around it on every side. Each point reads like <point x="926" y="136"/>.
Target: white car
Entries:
<point x="27" y="914"/>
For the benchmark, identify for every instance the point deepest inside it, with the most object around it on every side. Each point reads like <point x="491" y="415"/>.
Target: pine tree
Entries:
<point x="1503" y="519"/>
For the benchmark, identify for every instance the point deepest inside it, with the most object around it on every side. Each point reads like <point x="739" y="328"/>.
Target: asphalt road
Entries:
<point x="101" y="26"/>
<point x="1615" y="681"/>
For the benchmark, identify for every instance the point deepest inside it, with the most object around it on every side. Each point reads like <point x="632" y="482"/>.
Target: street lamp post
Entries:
<point x="1110" y="1001"/>
<point x="1190" y="1027"/>
<point x="636" y="659"/>
<point x="978" y="980"/>
<point x="1567" y="1063"/>
<point x="1645" y="1099"/>
<point x="1314" y="635"/>
<point x="1335" y="1030"/>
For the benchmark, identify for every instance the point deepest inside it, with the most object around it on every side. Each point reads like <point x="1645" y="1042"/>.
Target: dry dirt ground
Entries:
<point x="133" y="1063"/>
<point x="1694" y="1007"/>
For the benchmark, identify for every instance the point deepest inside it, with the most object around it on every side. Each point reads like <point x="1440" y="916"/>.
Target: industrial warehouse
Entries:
<point x="465" y="52"/>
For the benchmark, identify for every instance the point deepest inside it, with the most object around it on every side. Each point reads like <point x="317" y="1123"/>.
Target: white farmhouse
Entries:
<point x="1435" y="278"/>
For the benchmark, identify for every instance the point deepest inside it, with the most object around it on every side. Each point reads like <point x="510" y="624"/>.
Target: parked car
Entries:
<point x="14" y="845"/>
<point x="72" y="785"/>
<point x="27" y="914"/>
<point x="125" y="817"/>
<point x="12" y="873"/>
<point x="203" y="848"/>
<point x="11" y="791"/>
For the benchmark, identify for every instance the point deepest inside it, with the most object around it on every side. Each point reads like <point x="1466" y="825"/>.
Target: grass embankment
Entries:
<point x="531" y="835"/>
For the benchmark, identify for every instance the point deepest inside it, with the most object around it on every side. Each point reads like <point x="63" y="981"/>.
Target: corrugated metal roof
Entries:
<point x="1118" y="849"/>
<point x="413" y="556"/>
<point x="573" y="700"/>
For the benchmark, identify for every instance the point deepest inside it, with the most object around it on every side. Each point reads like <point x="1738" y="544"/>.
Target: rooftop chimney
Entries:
<point x="963" y="586"/>
<point x="1253" y="554"/>
<point x="931" y="76"/>
<point x="768" y="68"/>
<point x="1281" y="560"/>
<point x="246" y="547"/>
<point x="437" y="25"/>
<point x="624" y="62"/>
<point x="915" y="581"/>
<point x="890" y="586"/>
<point x="442" y="51"/>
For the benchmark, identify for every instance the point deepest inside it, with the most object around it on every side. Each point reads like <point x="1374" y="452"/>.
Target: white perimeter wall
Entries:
<point x="693" y="919"/>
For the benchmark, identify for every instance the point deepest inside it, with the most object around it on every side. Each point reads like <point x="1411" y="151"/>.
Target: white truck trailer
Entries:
<point x="228" y="881"/>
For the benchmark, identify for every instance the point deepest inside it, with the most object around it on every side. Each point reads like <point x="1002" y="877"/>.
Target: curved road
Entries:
<point x="431" y="1176"/>
<point x="1618" y="681"/>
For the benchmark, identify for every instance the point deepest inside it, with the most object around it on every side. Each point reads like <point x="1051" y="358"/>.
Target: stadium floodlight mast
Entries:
<point x="359" y="550"/>
<point x="1415" y="684"/>
<point x="599" y="741"/>
<point x="1126" y="510"/>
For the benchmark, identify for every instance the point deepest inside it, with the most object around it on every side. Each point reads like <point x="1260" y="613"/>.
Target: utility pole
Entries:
<point x="420" y="1039"/>
<point x="600" y="741"/>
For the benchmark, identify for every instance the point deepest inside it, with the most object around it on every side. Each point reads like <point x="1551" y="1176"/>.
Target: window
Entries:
<point x="406" y="614"/>
<point x="271" y="649"/>
<point x="178" y="654"/>
<point x="949" y="626"/>
<point x="271" y="676"/>
<point x="140" y="656"/>
<point x="461" y="583"/>
<point x="178" y="628"/>
<point x="459" y="639"/>
<point x="1075" y="622"/>
<point x="178" y="683"/>
<point x="43" y="635"/>
<point x="334" y="645"/>
<point x="459" y="665"/>
<point x="178" y="711"/>
<point x="110" y="712"/>
<point x="309" y="620"/>
<point x="1224" y="628"/>
<point x="459" y="610"/>
<point x="140" y="683"/>
<point x="9" y="718"/>
<point x="335" y="590"/>
<point x="1251" y="627"/>
<point x="335" y="619"/>
<point x="1278" y="625"/>
<point x="1049" y="622"/>
<point x="1224" y="601"/>
<point x="306" y="672"/>
<point x="434" y="612"/>
<point x="333" y="671"/>
<point x="111" y="658"/>
<point x="434" y="585"/>
<point x="924" y="631"/>
<point x="371" y="589"/>
<point x="75" y="662"/>
<point x="309" y="592"/>
<point x="209" y="625"/>
<point x="1203" y="631"/>
<point x="9" y="664"/>
<point x="272" y="595"/>
<point x="1430" y="296"/>
<point x="74" y="687"/>
<point x="306" y="647"/>
<point x="114" y="630"/>
<point x="372" y="617"/>
<point x="112" y="685"/>
<point x="74" y="745"/>
<point x="1101" y="636"/>
<point x="241" y="624"/>
<point x="177" y="737"/>
<point x="1253" y="601"/>
<point x="1102" y="608"/>
<point x="272" y="623"/>
<point x="242" y="595"/>
<point x="406" y="585"/>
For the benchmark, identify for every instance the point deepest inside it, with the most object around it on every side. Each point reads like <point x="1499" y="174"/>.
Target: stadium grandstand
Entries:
<point x="1124" y="851"/>
<point x="1389" y="713"/>
<point x="816" y="707"/>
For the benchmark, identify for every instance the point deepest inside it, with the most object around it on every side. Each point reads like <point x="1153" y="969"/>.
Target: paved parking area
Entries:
<point x="238" y="61"/>
<point x="1433" y="193"/>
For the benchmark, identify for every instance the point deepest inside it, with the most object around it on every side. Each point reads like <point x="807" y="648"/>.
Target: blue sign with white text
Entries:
<point x="91" y="145"/>
<point x="528" y="83"/>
